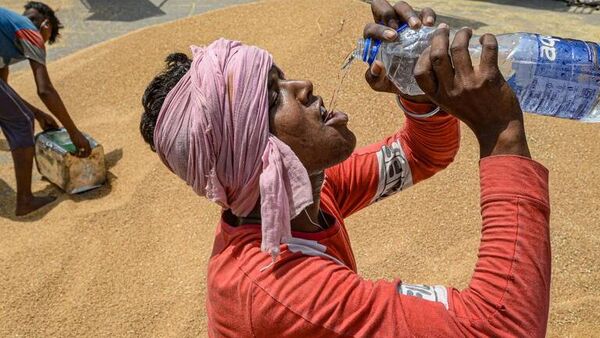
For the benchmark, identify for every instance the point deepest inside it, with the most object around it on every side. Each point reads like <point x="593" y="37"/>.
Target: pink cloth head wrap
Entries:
<point x="213" y="132"/>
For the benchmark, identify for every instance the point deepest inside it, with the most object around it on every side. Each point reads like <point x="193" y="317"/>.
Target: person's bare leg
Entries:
<point x="26" y="202"/>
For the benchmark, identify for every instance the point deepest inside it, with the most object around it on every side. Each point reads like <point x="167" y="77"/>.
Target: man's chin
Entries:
<point x="350" y="138"/>
<point x="343" y="151"/>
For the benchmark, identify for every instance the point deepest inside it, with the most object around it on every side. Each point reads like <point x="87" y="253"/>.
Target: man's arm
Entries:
<point x="52" y="100"/>
<point x="50" y="96"/>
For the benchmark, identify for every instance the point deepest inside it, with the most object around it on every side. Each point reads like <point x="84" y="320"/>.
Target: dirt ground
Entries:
<point x="129" y="259"/>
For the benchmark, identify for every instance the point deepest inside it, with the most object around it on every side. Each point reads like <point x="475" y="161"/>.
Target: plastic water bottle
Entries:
<point x="550" y="76"/>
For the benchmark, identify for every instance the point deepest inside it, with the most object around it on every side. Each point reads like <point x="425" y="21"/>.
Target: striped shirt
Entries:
<point x="19" y="39"/>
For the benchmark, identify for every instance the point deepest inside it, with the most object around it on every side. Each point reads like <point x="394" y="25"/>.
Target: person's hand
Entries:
<point x="46" y="121"/>
<point x="478" y="95"/>
<point x="81" y="143"/>
<point x="388" y="18"/>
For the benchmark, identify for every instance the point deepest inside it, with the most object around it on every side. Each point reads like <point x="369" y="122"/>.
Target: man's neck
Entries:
<point x="308" y="219"/>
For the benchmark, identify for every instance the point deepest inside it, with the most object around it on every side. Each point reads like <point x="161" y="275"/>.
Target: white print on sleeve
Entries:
<point x="394" y="171"/>
<point x="32" y="52"/>
<point x="435" y="293"/>
<point x="310" y="248"/>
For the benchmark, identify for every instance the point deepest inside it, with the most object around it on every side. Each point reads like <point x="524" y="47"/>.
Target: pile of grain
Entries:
<point x="130" y="258"/>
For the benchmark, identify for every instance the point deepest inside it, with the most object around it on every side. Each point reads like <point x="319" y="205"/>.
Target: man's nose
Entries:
<point x="304" y="89"/>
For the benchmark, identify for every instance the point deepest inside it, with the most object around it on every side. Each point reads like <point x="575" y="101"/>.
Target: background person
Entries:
<point x="23" y="37"/>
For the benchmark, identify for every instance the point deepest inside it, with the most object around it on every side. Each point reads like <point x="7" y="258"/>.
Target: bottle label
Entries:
<point x="562" y="80"/>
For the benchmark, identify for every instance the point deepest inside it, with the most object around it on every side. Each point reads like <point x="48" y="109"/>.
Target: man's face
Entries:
<point x="40" y="22"/>
<point x="298" y="118"/>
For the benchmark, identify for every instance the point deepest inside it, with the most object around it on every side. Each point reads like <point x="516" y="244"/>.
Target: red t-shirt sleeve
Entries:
<point x="508" y="295"/>
<point x="416" y="152"/>
<point x="31" y="44"/>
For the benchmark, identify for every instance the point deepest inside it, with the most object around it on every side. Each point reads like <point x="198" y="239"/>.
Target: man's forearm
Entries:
<point x="510" y="140"/>
<point x="50" y="96"/>
<point x="35" y="110"/>
<point x="430" y="143"/>
<point x="54" y="103"/>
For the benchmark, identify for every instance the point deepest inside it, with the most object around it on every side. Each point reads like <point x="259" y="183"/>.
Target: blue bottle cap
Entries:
<point x="369" y="54"/>
<point x="366" y="49"/>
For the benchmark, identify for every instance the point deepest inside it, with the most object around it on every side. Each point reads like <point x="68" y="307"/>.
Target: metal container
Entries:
<point x="55" y="161"/>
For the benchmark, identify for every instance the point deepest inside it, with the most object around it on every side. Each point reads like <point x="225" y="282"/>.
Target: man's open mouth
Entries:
<point x="325" y="115"/>
<point x="332" y="118"/>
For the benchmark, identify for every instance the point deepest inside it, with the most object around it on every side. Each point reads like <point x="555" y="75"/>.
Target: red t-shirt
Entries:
<point x="313" y="289"/>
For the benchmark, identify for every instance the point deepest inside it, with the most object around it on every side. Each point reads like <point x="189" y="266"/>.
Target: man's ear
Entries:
<point x="45" y="29"/>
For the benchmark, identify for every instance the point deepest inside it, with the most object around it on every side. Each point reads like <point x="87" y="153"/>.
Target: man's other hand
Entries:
<point x="46" y="121"/>
<point x="387" y="19"/>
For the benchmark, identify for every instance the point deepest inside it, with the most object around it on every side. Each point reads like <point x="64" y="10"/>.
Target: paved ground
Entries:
<point x="88" y="22"/>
